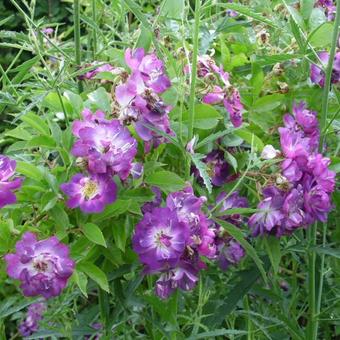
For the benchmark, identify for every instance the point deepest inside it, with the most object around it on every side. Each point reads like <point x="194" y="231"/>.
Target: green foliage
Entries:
<point x="267" y="50"/>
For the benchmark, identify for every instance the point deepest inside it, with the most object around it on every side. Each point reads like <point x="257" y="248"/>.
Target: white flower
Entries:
<point x="269" y="152"/>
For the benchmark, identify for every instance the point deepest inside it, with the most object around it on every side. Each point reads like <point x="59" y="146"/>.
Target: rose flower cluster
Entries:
<point x="171" y="241"/>
<point x="218" y="89"/>
<point x="309" y="183"/>
<point x="138" y="98"/>
<point x="106" y="148"/>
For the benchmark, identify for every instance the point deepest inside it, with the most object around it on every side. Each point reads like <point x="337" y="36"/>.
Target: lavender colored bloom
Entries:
<point x="138" y="97"/>
<point x="160" y="238"/>
<point x="183" y="276"/>
<point x="102" y="68"/>
<point x="137" y="170"/>
<point x="232" y="103"/>
<point x="317" y="75"/>
<point x="91" y="193"/>
<point x="231" y="202"/>
<point x="270" y="216"/>
<point x="329" y="7"/>
<point x="48" y="31"/>
<point x="107" y="145"/>
<point x="7" y="170"/>
<point x="43" y="267"/>
<point x="31" y="324"/>
<point x="186" y="205"/>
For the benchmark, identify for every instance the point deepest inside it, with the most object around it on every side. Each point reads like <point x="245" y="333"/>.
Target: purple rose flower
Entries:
<point x="103" y="68"/>
<point x="91" y="193"/>
<point x="43" y="267"/>
<point x="317" y="75"/>
<point x="31" y="324"/>
<point x="107" y="145"/>
<point x="183" y="276"/>
<point x="160" y="238"/>
<point x="137" y="170"/>
<point x="232" y="103"/>
<point x="270" y="216"/>
<point x="233" y="201"/>
<point x="7" y="170"/>
<point x="329" y="7"/>
<point x="138" y="97"/>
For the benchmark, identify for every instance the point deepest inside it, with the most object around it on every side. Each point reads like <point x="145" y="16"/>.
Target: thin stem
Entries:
<point x="194" y="71"/>
<point x="94" y="31"/>
<point x="323" y="129"/>
<point x="76" y="16"/>
<point x="193" y="78"/>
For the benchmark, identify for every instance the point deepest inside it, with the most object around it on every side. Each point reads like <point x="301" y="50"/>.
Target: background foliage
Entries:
<point x="40" y="97"/>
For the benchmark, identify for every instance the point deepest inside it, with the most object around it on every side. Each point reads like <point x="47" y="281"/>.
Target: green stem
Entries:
<point x="76" y="16"/>
<point x="310" y="332"/>
<point x="194" y="71"/>
<point x="94" y="32"/>
<point x="192" y="97"/>
<point x="104" y="308"/>
<point x="323" y="122"/>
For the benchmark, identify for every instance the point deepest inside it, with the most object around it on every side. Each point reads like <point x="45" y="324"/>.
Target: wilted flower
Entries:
<point x="91" y="193"/>
<point x="107" y="145"/>
<point x="7" y="185"/>
<point x="31" y="324"/>
<point x="43" y="267"/>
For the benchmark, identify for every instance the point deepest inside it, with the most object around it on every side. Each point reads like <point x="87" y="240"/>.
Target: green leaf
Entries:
<point x="29" y="170"/>
<point x="138" y="194"/>
<point x="173" y="9"/>
<point x="306" y="8"/>
<point x="202" y="168"/>
<point x="81" y="280"/>
<point x="257" y="79"/>
<point x="245" y="10"/>
<point x="322" y="36"/>
<point x="19" y="133"/>
<point x="206" y="117"/>
<point x="94" y="234"/>
<point x="117" y="208"/>
<point x="273" y="248"/>
<point x="95" y="274"/>
<point x="166" y="180"/>
<point x="144" y="39"/>
<point x="41" y="141"/>
<point x="100" y="99"/>
<point x="217" y="332"/>
<point x="250" y="138"/>
<point x="237" y="234"/>
<point x="220" y="308"/>
<point x="268" y="103"/>
<point x="334" y="252"/>
<point x="36" y="122"/>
